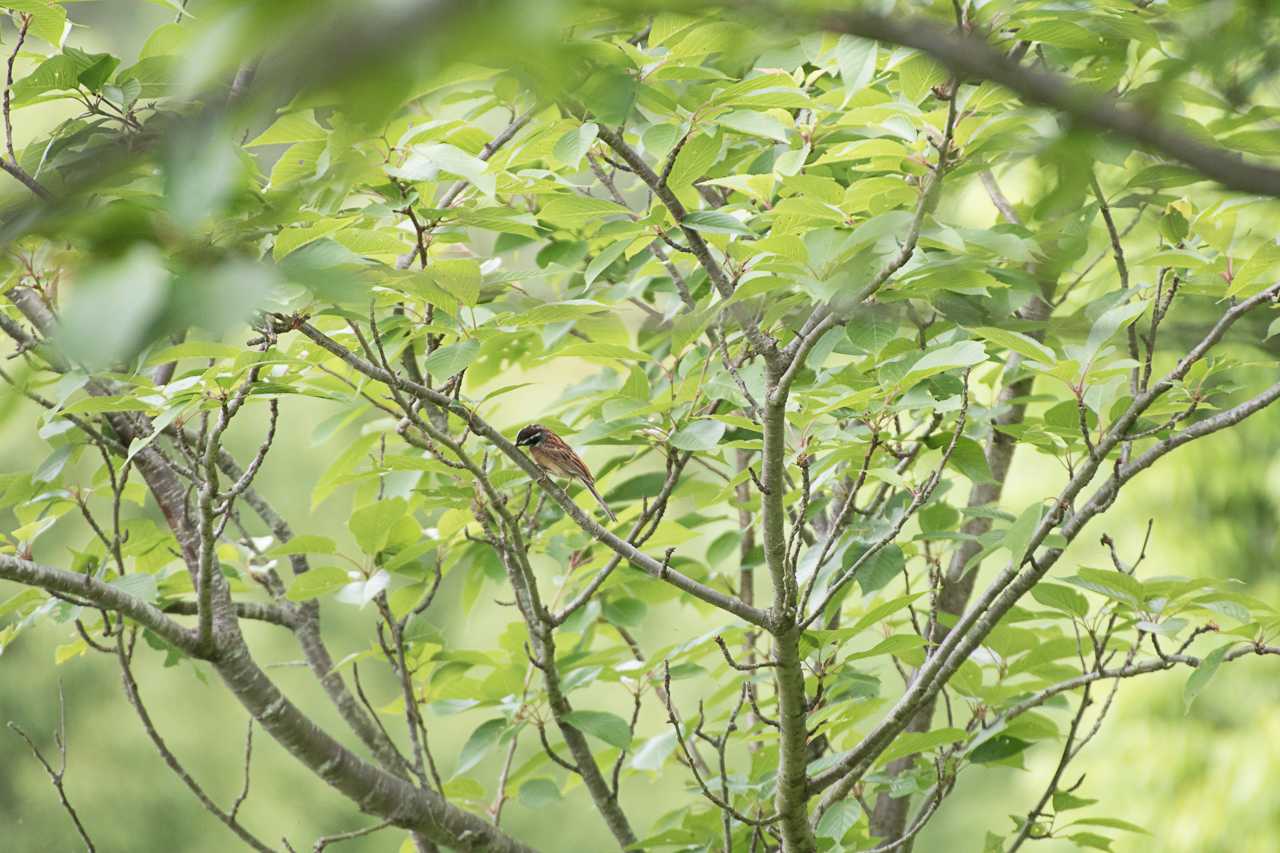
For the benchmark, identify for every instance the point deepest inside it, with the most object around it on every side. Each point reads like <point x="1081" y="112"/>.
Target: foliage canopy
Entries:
<point x="797" y="282"/>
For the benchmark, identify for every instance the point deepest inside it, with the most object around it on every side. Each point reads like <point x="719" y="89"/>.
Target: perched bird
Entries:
<point x="556" y="457"/>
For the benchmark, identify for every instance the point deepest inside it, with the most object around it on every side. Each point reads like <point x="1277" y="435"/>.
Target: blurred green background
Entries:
<point x="1199" y="782"/>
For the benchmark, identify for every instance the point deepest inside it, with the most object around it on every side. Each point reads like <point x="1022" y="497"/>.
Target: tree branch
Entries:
<point x="103" y="595"/>
<point x="968" y="56"/>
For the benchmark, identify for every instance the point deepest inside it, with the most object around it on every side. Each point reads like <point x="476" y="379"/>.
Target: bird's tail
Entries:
<point x="604" y="506"/>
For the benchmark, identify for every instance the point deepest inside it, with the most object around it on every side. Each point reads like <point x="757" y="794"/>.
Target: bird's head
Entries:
<point x="531" y="436"/>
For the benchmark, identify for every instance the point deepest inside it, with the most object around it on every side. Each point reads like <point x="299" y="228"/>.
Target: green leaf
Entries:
<point x="609" y="728"/>
<point x="1017" y="342"/>
<point x="317" y="582"/>
<point x="453" y="359"/>
<point x="538" y="793"/>
<point x="856" y="58"/>
<point x="1018" y="536"/>
<point x="1257" y="273"/>
<point x="290" y="128"/>
<point x="139" y="585"/>
<point x="970" y="460"/>
<point x="609" y="95"/>
<point x="1111" y="583"/>
<point x="695" y="159"/>
<point x="305" y="544"/>
<point x="92" y="69"/>
<point x="1091" y="840"/>
<point x="715" y="222"/>
<point x="997" y="748"/>
<point x="575" y="144"/>
<point x="755" y="124"/>
<point x="883" y="566"/>
<point x="1202" y="675"/>
<point x="1112" y="823"/>
<point x="1062" y="598"/>
<point x="722" y="548"/>
<point x="872" y="334"/>
<point x="425" y="162"/>
<point x="48" y="19"/>
<point x="1109" y="323"/>
<point x="917" y="75"/>
<point x="653" y="753"/>
<point x="912" y="742"/>
<point x="627" y="612"/>
<point x="372" y="525"/>
<point x="950" y="357"/>
<point x="460" y="278"/>
<point x="698" y="436"/>
<point x="575" y="211"/>
<point x="894" y="645"/>
<point x="1061" y="33"/>
<point x="131" y="291"/>
<point x="479" y="743"/>
<point x="836" y="822"/>
<point x="603" y="259"/>
<point x="557" y="312"/>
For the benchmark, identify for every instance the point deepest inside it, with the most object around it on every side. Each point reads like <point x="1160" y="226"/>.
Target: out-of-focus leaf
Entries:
<point x="132" y="291"/>
<point x="478" y="744"/>
<point x="608" y="727"/>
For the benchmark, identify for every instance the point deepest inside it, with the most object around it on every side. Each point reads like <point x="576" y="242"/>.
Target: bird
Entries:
<point x="556" y="457"/>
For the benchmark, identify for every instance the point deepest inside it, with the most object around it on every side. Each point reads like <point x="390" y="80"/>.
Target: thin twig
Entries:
<point x="57" y="776"/>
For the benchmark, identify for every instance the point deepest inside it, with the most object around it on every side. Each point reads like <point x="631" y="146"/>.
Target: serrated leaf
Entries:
<point x="1017" y="342"/>
<point x="426" y="162"/>
<point x="715" y="222"/>
<point x="575" y="211"/>
<point x="452" y="360"/>
<point x="139" y="585"/>
<point x="697" y="156"/>
<point x="699" y="436"/>
<point x="917" y="75"/>
<point x="836" y="822"/>
<point x="459" y="277"/>
<point x="950" y="357"/>
<point x="48" y="19"/>
<point x="573" y="146"/>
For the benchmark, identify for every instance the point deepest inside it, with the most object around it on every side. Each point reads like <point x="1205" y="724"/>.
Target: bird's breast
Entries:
<point x="551" y="462"/>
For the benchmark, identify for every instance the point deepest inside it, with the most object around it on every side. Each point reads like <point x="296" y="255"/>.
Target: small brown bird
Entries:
<point x="556" y="457"/>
